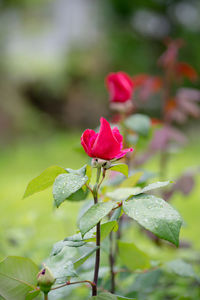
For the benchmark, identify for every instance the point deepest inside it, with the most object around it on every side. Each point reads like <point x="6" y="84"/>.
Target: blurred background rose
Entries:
<point x="56" y="54"/>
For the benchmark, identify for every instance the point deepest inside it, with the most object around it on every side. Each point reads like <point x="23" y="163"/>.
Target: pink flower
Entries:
<point x="120" y="87"/>
<point x="106" y="144"/>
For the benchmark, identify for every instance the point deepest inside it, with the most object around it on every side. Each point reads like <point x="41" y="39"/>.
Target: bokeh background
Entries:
<point x="54" y="56"/>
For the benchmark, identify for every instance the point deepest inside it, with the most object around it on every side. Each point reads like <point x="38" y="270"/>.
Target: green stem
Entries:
<point x="98" y="174"/>
<point x="98" y="236"/>
<point x="164" y="158"/>
<point x="45" y="296"/>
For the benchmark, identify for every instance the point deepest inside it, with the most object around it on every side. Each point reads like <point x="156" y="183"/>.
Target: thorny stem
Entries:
<point x="97" y="260"/>
<point x="75" y="282"/>
<point x="98" y="232"/>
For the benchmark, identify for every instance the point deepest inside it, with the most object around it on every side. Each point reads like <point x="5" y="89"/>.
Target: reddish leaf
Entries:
<point x="147" y="84"/>
<point x="169" y="57"/>
<point x="170" y="105"/>
<point x="139" y="80"/>
<point x="184" y="69"/>
<point x="156" y="122"/>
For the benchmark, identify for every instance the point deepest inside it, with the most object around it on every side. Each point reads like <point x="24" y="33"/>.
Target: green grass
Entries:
<point x="29" y="227"/>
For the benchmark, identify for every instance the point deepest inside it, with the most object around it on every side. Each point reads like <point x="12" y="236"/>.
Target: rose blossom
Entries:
<point x="120" y="87"/>
<point x="107" y="144"/>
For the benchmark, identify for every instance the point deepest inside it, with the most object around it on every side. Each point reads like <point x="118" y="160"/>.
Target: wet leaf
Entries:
<point x="122" y="168"/>
<point x="93" y="215"/>
<point x="181" y="268"/>
<point x="132" y="180"/>
<point x="18" y="277"/>
<point x="155" y="215"/>
<point x="127" y="253"/>
<point x="43" y="181"/>
<point x="66" y="185"/>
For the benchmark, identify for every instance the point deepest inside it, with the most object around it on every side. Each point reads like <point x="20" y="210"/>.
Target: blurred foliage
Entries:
<point x="70" y="83"/>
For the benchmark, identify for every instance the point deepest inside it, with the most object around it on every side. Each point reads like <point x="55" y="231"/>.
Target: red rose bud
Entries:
<point x="120" y="87"/>
<point x="45" y="280"/>
<point x="107" y="144"/>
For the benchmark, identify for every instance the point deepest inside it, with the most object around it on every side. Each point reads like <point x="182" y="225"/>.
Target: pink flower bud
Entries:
<point x="120" y="87"/>
<point x="107" y="144"/>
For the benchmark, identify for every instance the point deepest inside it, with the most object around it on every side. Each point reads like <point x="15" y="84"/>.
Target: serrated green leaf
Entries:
<point x="116" y="214"/>
<point x="67" y="185"/>
<point x="156" y="215"/>
<point x="132" y="180"/>
<point x="124" y="193"/>
<point x="128" y="250"/>
<point x="121" y="168"/>
<point x="146" y="282"/>
<point x="85" y="170"/>
<point x="80" y="195"/>
<point x="121" y="194"/>
<point x="43" y="181"/>
<point x="138" y="123"/>
<point x="32" y="294"/>
<point x="181" y="268"/>
<point x="106" y="228"/>
<point x="61" y="264"/>
<point x="84" y="257"/>
<point x="57" y="247"/>
<point x="18" y="276"/>
<point x="77" y="241"/>
<point x="93" y="215"/>
<point x="155" y="185"/>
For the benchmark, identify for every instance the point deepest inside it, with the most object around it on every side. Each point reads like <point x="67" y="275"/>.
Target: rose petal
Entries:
<point x="106" y="145"/>
<point x="87" y="139"/>
<point x="123" y="152"/>
<point x="118" y="136"/>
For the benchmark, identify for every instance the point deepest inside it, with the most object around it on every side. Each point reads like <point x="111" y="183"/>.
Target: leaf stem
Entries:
<point x="89" y="188"/>
<point x="93" y="286"/>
